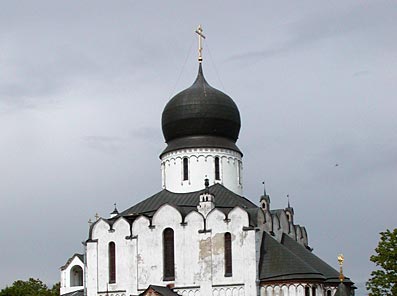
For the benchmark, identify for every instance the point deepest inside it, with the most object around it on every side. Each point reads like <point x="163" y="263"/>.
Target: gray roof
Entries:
<point x="80" y="256"/>
<point x="329" y="272"/>
<point x="289" y="260"/>
<point x="342" y="290"/>
<point x="75" y="293"/>
<point x="162" y="291"/>
<point x="225" y="200"/>
<point x="277" y="262"/>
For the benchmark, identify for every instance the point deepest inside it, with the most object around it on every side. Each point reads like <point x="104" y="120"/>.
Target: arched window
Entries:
<point x="217" y="170"/>
<point x="313" y="291"/>
<point x="228" y="254"/>
<point x="329" y="293"/>
<point x="307" y="291"/>
<point x="185" y="169"/>
<point x="76" y="276"/>
<point x="112" y="263"/>
<point x="168" y="255"/>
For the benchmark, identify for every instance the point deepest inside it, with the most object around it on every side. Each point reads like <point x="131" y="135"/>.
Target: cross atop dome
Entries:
<point x="199" y="32"/>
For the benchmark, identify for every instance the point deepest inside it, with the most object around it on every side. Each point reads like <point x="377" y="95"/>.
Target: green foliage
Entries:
<point x="32" y="287"/>
<point x="55" y="290"/>
<point x="384" y="279"/>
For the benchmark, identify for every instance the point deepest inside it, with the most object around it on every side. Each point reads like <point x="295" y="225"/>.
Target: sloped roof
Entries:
<point x="75" y="293"/>
<point x="277" y="262"/>
<point x="329" y="272"/>
<point x="342" y="290"/>
<point x="289" y="260"/>
<point x="225" y="200"/>
<point x="80" y="256"/>
<point x="162" y="291"/>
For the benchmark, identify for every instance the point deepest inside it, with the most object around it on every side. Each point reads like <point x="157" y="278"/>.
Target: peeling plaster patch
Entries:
<point x="205" y="248"/>
<point x="206" y="258"/>
<point x="242" y="237"/>
<point x="143" y="277"/>
<point x="218" y="243"/>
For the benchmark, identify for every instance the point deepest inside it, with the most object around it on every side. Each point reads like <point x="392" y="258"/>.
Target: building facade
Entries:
<point x="199" y="236"/>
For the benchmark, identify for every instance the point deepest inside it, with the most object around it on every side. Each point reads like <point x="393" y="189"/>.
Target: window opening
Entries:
<point x="307" y="291"/>
<point x="239" y="172"/>
<point x="112" y="263"/>
<point x="185" y="169"/>
<point x="313" y="291"/>
<point x="228" y="254"/>
<point x="217" y="171"/>
<point x="168" y="255"/>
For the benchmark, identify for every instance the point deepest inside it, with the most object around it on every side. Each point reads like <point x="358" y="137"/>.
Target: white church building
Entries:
<point x="199" y="236"/>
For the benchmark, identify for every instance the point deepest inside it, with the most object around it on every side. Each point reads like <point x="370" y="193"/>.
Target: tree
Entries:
<point x="384" y="280"/>
<point x="31" y="287"/>
<point x="56" y="288"/>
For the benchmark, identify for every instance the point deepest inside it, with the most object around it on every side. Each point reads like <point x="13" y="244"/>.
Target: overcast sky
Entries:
<point x="83" y="85"/>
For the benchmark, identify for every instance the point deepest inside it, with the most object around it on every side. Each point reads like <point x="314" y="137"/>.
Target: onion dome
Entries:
<point x="201" y="116"/>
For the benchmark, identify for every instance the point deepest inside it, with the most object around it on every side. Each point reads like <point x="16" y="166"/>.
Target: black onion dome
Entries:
<point x="201" y="112"/>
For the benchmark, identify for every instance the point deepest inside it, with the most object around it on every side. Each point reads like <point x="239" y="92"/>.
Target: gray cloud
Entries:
<point x="365" y="20"/>
<point x="83" y="85"/>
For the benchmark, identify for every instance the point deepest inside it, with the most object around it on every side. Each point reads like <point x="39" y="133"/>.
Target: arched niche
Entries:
<point x="76" y="276"/>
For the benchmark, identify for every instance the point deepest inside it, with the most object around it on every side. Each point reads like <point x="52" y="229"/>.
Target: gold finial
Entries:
<point x="341" y="259"/>
<point x="96" y="216"/>
<point x="199" y="31"/>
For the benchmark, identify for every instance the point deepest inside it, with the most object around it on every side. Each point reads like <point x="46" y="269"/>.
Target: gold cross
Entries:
<point x="199" y="31"/>
<point x="341" y="258"/>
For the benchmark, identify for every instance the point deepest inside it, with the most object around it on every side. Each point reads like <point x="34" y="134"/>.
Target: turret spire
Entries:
<point x="264" y="188"/>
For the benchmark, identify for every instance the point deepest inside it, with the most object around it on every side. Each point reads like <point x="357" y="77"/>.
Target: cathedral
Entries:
<point x="199" y="236"/>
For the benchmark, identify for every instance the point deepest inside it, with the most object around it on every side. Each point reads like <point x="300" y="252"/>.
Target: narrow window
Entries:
<point x="228" y="254"/>
<point x="217" y="173"/>
<point x="185" y="169"/>
<point x="112" y="263"/>
<point x="168" y="255"/>
<point x="313" y="291"/>
<point x="307" y="291"/>
<point x="329" y="293"/>
<point x="239" y="173"/>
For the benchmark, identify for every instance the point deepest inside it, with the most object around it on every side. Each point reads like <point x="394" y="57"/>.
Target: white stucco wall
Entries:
<point x="199" y="254"/>
<point x="201" y="166"/>
<point x="66" y="274"/>
<point x="98" y="258"/>
<point x="295" y="289"/>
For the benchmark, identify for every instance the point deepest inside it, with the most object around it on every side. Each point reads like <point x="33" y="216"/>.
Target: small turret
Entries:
<point x="265" y="200"/>
<point x="206" y="203"/>
<point x="115" y="212"/>
<point x="289" y="211"/>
